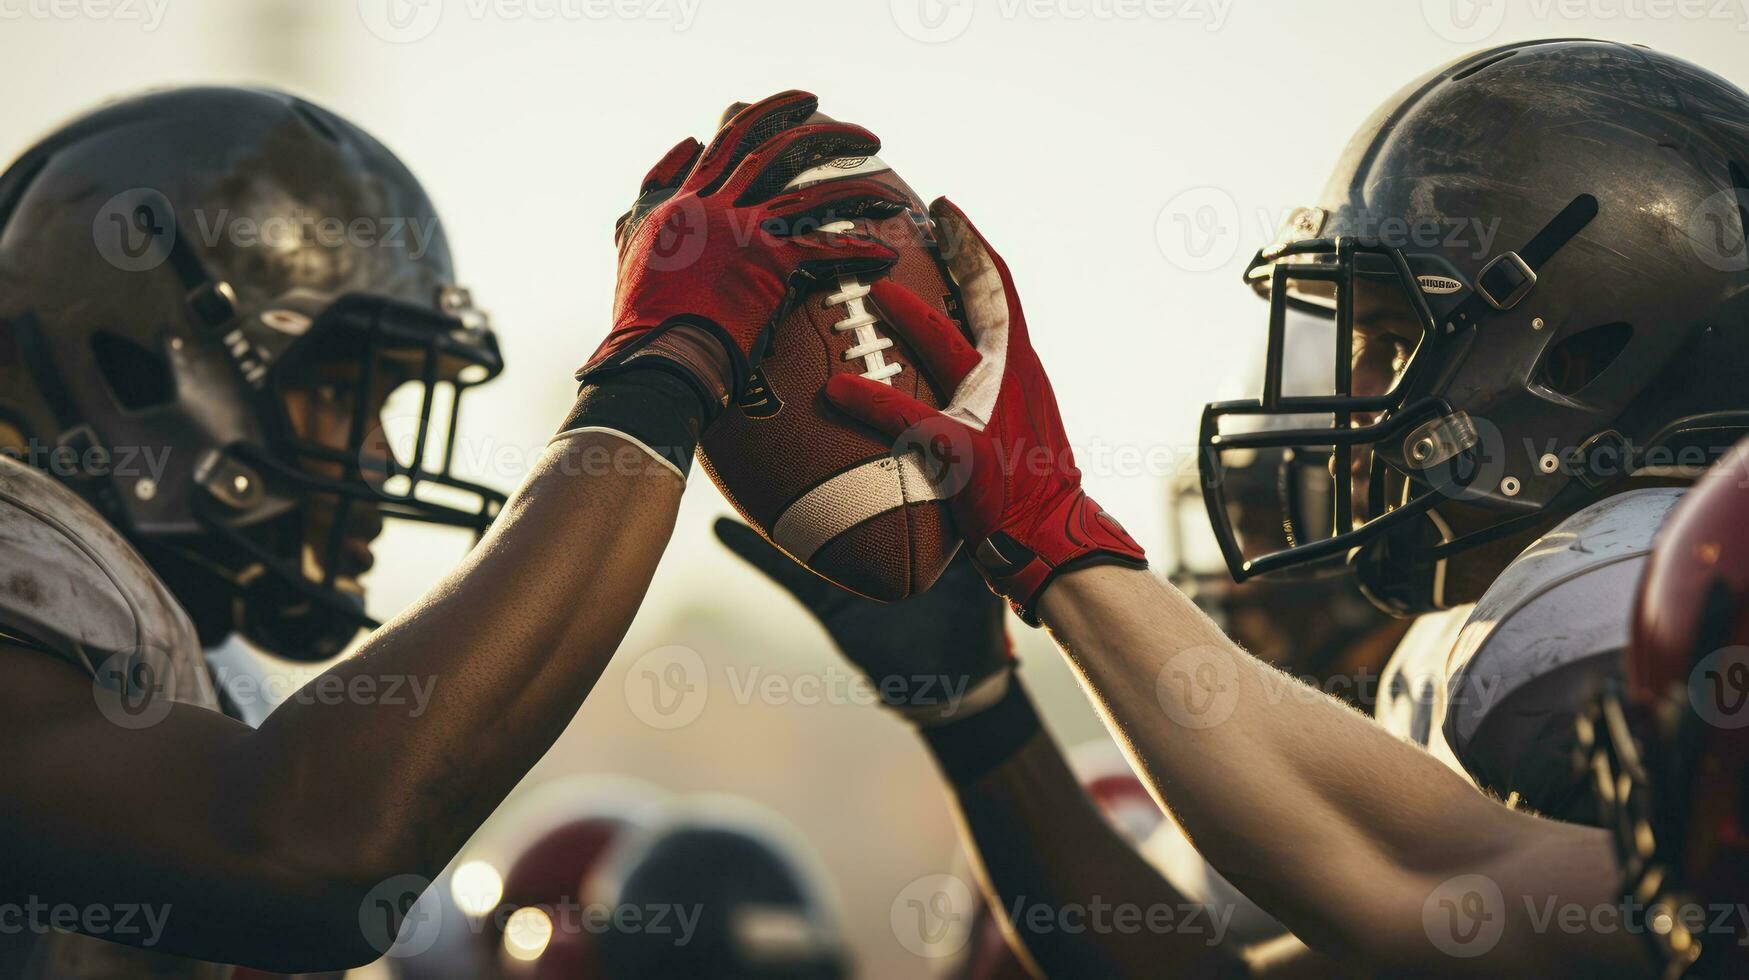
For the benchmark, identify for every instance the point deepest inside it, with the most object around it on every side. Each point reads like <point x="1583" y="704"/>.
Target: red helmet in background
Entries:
<point x="1670" y="741"/>
<point x="517" y="890"/>
<point x="541" y="928"/>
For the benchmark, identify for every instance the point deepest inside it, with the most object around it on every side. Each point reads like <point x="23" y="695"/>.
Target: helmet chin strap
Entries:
<point x="1437" y="591"/>
<point x="1579" y="493"/>
<point x="1413" y="583"/>
<point x="273" y="613"/>
<point x="1429" y="563"/>
<point x="276" y="606"/>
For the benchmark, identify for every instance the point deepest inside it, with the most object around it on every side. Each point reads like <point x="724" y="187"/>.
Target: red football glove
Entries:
<point x="998" y="448"/>
<point x="717" y="247"/>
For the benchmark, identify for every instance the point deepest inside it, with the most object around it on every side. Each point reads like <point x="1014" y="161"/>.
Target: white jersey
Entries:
<point x="1412" y="689"/>
<point x="1493" y="690"/>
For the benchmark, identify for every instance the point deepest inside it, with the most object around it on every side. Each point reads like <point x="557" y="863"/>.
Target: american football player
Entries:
<point x="1668" y="741"/>
<point x="1586" y="349"/>
<point x="211" y="304"/>
<point x="1575" y="428"/>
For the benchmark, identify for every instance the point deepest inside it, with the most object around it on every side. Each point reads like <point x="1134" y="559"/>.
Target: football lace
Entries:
<point x="852" y="293"/>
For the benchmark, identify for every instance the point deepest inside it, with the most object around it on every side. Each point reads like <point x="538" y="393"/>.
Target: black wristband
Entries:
<point x="968" y="750"/>
<point x="656" y="407"/>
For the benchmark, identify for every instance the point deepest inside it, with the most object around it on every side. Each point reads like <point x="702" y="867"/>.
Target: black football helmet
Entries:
<point x="173" y="268"/>
<point x="764" y="909"/>
<point x="1535" y="261"/>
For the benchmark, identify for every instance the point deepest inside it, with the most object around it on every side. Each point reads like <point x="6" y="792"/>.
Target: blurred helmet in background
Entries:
<point x="542" y="927"/>
<point x="1313" y="621"/>
<point x="719" y="889"/>
<point x="534" y="863"/>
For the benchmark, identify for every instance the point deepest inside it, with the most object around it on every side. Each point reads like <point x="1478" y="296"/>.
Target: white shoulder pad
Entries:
<point x="73" y="586"/>
<point x="1411" y="695"/>
<point x="1539" y="640"/>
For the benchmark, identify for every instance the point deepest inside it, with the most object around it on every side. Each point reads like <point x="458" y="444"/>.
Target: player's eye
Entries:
<point x="1379" y="360"/>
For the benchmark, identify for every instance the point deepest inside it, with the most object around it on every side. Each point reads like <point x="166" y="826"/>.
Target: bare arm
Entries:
<point x="1079" y="898"/>
<point x="1042" y="848"/>
<point x="269" y="846"/>
<point x="262" y="846"/>
<point x="1359" y="842"/>
<point x="1072" y="892"/>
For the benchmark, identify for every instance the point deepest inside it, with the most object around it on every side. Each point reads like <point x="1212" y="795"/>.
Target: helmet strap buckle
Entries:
<point x="1506" y="280"/>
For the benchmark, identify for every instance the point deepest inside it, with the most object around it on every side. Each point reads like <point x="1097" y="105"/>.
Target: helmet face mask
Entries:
<point x="1520" y="326"/>
<point x="360" y="397"/>
<point x="1343" y="269"/>
<point x="1418" y="450"/>
<point x="195" y="278"/>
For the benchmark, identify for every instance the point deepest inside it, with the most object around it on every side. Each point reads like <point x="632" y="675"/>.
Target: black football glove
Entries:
<point x="936" y="658"/>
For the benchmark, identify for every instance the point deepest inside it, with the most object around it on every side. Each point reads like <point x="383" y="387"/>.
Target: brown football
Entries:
<point x="824" y="488"/>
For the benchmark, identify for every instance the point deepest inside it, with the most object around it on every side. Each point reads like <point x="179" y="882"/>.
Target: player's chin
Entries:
<point x="355" y="557"/>
<point x="351" y="560"/>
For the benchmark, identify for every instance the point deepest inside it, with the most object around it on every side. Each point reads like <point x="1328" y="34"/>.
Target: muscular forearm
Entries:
<point x="262" y="846"/>
<point x="506" y="649"/>
<point x="1339" y="829"/>
<point x="1081" y="899"/>
<point x="1185" y="696"/>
